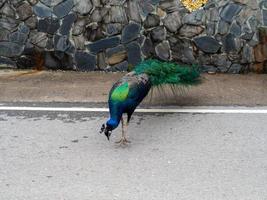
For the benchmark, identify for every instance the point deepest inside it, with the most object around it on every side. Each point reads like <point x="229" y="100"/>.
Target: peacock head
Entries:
<point x="109" y="127"/>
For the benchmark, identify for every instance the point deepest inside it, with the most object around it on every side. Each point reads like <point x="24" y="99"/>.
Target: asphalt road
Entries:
<point x="61" y="156"/>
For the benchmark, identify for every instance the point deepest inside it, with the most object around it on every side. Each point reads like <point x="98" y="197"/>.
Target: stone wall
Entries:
<point x="223" y="36"/>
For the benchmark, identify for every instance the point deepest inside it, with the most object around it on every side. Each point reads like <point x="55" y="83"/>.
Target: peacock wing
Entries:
<point x="130" y="87"/>
<point x="119" y="92"/>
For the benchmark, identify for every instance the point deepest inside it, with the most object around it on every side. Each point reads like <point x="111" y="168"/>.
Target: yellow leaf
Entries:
<point x="192" y="5"/>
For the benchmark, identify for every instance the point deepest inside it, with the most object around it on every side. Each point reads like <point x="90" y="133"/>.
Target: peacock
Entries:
<point x="128" y="92"/>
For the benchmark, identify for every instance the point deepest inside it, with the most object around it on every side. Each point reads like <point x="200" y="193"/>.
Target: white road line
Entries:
<point x="237" y="110"/>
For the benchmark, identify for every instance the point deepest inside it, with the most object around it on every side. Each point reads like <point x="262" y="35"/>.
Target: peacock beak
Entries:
<point x="106" y="130"/>
<point x="107" y="133"/>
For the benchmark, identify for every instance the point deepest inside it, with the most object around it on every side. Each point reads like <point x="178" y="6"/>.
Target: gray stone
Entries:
<point x="247" y="55"/>
<point x="48" y="44"/>
<point x="235" y="29"/>
<point x="24" y="11"/>
<point x="263" y="4"/>
<point x="117" y="15"/>
<point x="42" y="10"/>
<point x="182" y="51"/>
<point x="133" y="53"/>
<point x="221" y="62"/>
<point x="223" y="27"/>
<point x="116" y="55"/>
<point x="123" y="66"/>
<point x="146" y="7"/>
<point x="7" y="10"/>
<point x="96" y="3"/>
<point x="208" y="69"/>
<point x="229" y="12"/>
<point x="16" y="3"/>
<point x="79" y="41"/>
<point x="96" y="16"/>
<point x="169" y="5"/>
<point x="229" y="44"/>
<point x="234" y="57"/>
<point x="148" y="48"/>
<point x="207" y="44"/>
<point x="8" y="23"/>
<point x="118" y="49"/>
<point x="194" y="18"/>
<point x="18" y="37"/>
<point x="247" y="35"/>
<point x="94" y="33"/>
<point x="203" y="58"/>
<point x="188" y="56"/>
<point x="235" y="68"/>
<point x="151" y="21"/>
<point x="71" y="50"/>
<point x="4" y="34"/>
<point x="85" y="61"/>
<point x="252" y="23"/>
<point x="133" y="11"/>
<point x="31" y="22"/>
<point x="83" y="7"/>
<point x="213" y="15"/>
<point x="264" y="17"/>
<point x="210" y="28"/>
<point x="67" y="23"/>
<point x="251" y="4"/>
<point x="7" y="63"/>
<point x="105" y="14"/>
<point x="51" y="61"/>
<point x="130" y="32"/>
<point x="30" y="59"/>
<point x="101" y="61"/>
<point x="79" y="26"/>
<point x="163" y="50"/>
<point x="48" y="25"/>
<point x="115" y="2"/>
<point x="158" y="34"/>
<point x="58" y="60"/>
<point x="254" y="40"/>
<point x="172" y="21"/>
<point x="113" y="28"/>
<point x="190" y="31"/>
<point x="63" y="9"/>
<point x="38" y="38"/>
<point x="33" y="2"/>
<point x="24" y="28"/>
<point x="2" y="2"/>
<point x="61" y="43"/>
<point x="103" y="44"/>
<point x="141" y="40"/>
<point x="10" y="49"/>
<point x="51" y="3"/>
<point x="218" y="34"/>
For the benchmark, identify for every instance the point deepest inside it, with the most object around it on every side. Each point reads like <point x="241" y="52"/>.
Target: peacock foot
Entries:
<point x="123" y="141"/>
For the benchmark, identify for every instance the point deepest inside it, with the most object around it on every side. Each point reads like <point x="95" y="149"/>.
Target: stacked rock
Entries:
<point x="87" y="35"/>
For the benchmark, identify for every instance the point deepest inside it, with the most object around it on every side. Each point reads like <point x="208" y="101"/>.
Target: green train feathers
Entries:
<point x="161" y="72"/>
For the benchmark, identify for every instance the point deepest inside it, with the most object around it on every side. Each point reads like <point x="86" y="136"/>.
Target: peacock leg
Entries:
<point x="124" y="126"/>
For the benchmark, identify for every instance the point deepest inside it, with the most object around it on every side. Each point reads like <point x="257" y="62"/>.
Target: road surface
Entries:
<point x="61" y="156"/>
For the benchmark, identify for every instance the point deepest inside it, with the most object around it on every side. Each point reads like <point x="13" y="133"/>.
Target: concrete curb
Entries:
<point x="59" y="86"/>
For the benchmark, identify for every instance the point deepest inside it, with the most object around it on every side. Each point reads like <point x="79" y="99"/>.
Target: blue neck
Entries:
<point x="113" y="123"/>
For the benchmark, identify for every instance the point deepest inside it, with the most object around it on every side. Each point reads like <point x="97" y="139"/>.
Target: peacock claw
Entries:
<point x="123" y="141"/>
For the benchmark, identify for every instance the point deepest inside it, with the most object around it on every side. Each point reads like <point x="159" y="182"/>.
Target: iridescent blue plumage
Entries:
<point x="138" y="88"/>
<point x="127" y="93"/>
